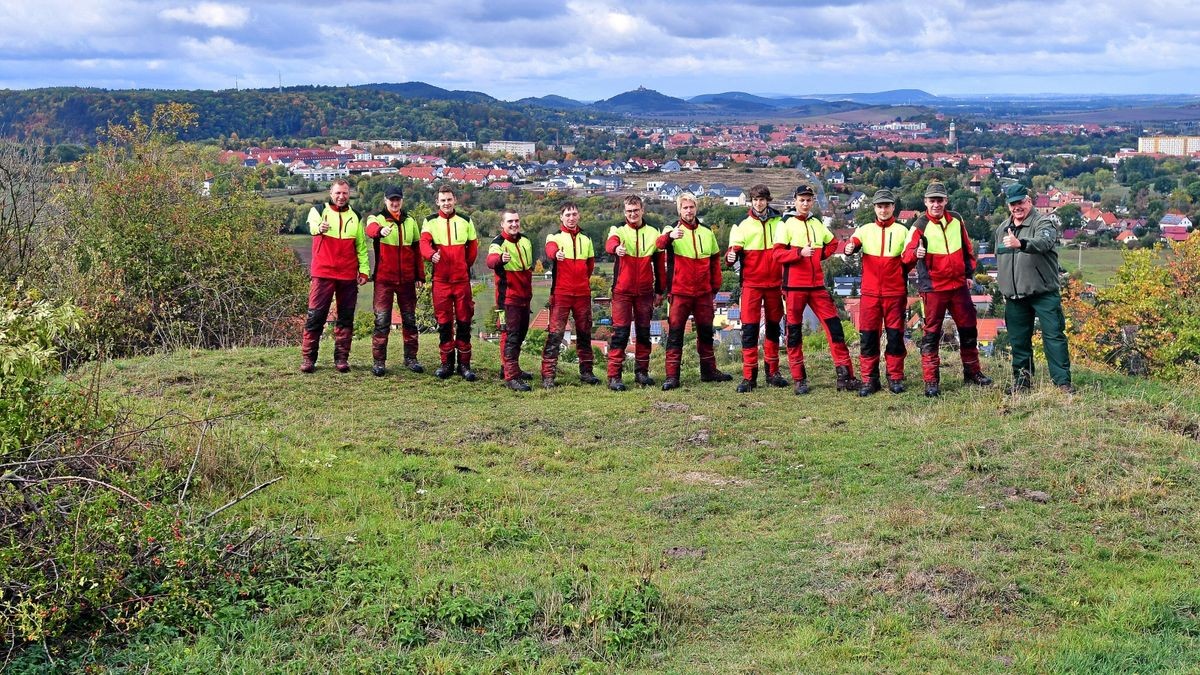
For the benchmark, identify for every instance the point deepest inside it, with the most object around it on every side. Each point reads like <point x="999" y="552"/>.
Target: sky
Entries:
<point x="595" y="49"/>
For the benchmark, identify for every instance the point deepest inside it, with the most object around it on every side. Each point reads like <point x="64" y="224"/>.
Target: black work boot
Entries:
<point x="670" y="383"/>
<point x="869" y="386"/>
<point x="525" y="375"/>
<point x="978" y="379"/>
<point x="747" y="385"/>
<point x="379" y="369"/>
<point x="846" y="380"/>
<point x="445" y="370"/>
<point x="643" y="378"/>
<point x="515" y="384"/>
<point x="548" y="383"/>
<point x="588" y="377"/>
<point x="413" y="364"/>
<point x="616" y="384"/>
<point x="933" y="389"/>
<point x="464" y="370"/>
<point x="801" y="387"/>
<point x="896" y="386"/>
<point x="714" y="375"/>
<point x="777" y="379"/>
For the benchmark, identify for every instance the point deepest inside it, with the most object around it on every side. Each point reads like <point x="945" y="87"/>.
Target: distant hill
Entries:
<point x="645" y="101"/>
<point x="429" y="91"/>
<point x="552" y="101"/>
<point x="892" y="97"/>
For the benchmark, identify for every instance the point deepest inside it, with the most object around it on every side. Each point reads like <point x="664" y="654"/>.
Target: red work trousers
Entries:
<point x="826" y="312"/>
<point x="958" y="303"/>
<point x="320" y="293"/>
<point x="700" y="307"/>
<point x="561" y="307"/>
<point x="453" y="309"/>
<point x="403" y="293"/>
<point x="888" y="311"/>
<point x="626" y="309"/>
<point x="516" y="327"/>
<point x="754" y="304"/>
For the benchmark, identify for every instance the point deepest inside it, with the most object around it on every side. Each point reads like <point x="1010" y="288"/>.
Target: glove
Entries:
<point x="362" y="278"/>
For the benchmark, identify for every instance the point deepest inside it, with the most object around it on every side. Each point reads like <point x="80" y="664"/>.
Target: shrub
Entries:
<point x="166" y="254"/>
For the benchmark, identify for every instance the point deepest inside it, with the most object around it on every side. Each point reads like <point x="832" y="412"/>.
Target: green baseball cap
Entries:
<point x="1015" y="193"/>
<point x="883" y="196"/>
<point x="936" y="189"/>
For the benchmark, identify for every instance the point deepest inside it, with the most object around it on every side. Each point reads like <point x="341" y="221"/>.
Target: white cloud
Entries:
<point x="210" y="14"/>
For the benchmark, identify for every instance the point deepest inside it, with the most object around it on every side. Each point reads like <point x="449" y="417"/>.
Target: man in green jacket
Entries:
<point x="1028" y="279"/>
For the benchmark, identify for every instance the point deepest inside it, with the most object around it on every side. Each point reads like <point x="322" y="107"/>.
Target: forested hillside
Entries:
<point x="73" y="115"/>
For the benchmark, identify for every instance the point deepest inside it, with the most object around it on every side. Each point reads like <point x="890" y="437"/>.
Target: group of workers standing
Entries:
<point x="778" y="259"/>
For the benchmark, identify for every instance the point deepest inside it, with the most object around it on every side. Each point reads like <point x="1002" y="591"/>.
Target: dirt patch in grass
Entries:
<point x="956" y="593"/>
<point x="707" y="478"/>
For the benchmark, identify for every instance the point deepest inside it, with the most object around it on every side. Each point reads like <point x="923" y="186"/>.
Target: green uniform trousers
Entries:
<point x="1018" y="318"/>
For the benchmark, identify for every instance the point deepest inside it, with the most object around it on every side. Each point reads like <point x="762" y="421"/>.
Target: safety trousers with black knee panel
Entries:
<point x="636" y="310"/>
<point x="403" y="294"/>
<point x="819" y="300"/>
<point x="886" y="313"/>
<point x="322" y="292"/>
<point x="957" y="303"/>
<point x="757" y="303"/>
<point x="516" y="327"/>
<point x="561" y="308"/>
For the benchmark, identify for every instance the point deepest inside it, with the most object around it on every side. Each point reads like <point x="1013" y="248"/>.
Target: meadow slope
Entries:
<point x="480" y="529"/>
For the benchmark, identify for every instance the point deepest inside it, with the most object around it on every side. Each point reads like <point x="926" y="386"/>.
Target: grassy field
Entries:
<point x="718" y="532"/>
<point x="1098" y="264"/>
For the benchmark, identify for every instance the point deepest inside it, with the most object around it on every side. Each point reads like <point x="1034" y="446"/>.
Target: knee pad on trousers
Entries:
<point x="930" y="342"/>
<point x="463" y="331"/>
<point x="315" y="321"/>
<point x="704" y="335"/>
<point x="675" y="338"/>
<point x="836" y="334"/>
<point x="345" y="320"/>
<point x="642" y="335"/>
<point x="967" y="337"/>
<point x="795" y="335"/>
<point x="408" y="320"/>
<point x="749" y="336"/>
<point x="772" y="331"/>
<point x="620" y="338"/>
<point x="383" y="322"/>
<point x="869" y="341"/>
<point x="445" y="332"/>
<point x="553" y="345"/>
<point x="895" y="341"/>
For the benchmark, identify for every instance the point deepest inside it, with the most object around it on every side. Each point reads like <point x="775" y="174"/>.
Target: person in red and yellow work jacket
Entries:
<point x="448" y="241"/>
<point x="511" y="257"/>
<point x="693" y="277"/>
<point x="339" y="266"/>
<point x="750" y="251"/>
<point x="637" y="290"/>
<point x="884" y="294"/>
<point x="398" y="270"/>
<point x="572" y="261"/>
<point x="801" y="242"/>
<point x="941" y="250"/>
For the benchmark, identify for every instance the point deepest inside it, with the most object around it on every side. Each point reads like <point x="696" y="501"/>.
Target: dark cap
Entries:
<point x="393" y="191"/>
<point x="936" y="189"/>
<point x="805" y="190"/>
<point x="1015" y="193"/>
<point x="883" y="196"/>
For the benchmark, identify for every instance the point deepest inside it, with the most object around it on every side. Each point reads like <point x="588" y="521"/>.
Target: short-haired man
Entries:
<point x="339" y="266"/>
<point x="884" y="294"/>
<point x="693" y="277"/>
<point x="511" y="257"/>
<point x="940" y="248"/>
<point x="801" y="242"/>
<point x="448" y="241"/>
<point x="572" y="261"/>
<point x="398" y="270"/>
<point x="637" y="289"/>
<point x="751" y="244"/>
<point x="1028" y="279"/>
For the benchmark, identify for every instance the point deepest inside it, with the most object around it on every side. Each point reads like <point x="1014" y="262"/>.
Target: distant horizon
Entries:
<point x="771" y="95"/>
<point x="588" y="51"/>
